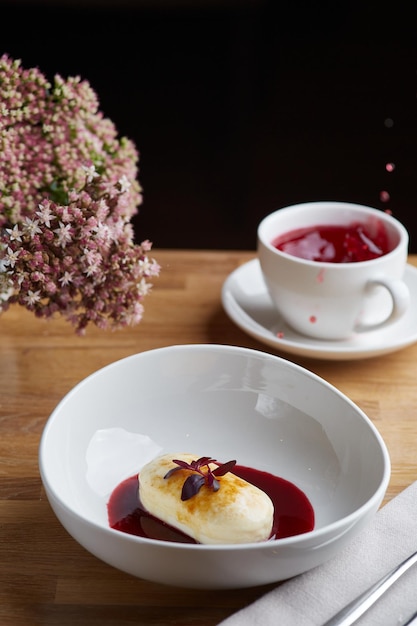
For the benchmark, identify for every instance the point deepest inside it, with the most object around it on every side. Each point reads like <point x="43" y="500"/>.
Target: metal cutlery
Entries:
<point x="353" y="611"/>
<point x="412" y="621"/>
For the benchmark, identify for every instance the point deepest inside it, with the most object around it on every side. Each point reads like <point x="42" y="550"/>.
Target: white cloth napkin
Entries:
<point x="314" y="597"/>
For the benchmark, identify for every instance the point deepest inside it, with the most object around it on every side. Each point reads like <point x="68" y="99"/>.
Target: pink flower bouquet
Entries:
<point x="68" y="190"/>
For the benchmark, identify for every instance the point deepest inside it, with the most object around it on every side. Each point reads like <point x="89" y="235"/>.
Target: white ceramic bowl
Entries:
<point x="228" y="403"/>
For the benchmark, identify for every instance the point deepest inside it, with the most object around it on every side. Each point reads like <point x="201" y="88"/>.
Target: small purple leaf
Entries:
<point x="192" y="486"/>
<point x="216" y="485"/>
<point x="171" y="471"/>
<point x="223" y="469"/>
<point x="193" y="483"/>
<point x="181" y="463"/>
<point x="203" y="460"/>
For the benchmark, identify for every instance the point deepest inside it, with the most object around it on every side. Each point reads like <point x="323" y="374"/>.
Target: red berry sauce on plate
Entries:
<point x="293" y="514"/>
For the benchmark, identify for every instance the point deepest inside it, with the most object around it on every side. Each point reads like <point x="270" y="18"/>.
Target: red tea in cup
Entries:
<point x="350" y="277"/>
<point x="335" y="243"/>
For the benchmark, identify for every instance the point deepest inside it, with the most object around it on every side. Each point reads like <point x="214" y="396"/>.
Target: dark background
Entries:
<point x="239" y="108"/>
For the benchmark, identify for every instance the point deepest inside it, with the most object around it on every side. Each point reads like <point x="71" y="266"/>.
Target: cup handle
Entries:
<point x="400" y="296"/>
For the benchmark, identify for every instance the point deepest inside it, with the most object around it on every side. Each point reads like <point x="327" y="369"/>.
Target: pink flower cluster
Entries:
<point x="68" y="191"/>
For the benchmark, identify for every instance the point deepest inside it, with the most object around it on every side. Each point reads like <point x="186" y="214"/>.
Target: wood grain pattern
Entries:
<point x="46" y="578"/>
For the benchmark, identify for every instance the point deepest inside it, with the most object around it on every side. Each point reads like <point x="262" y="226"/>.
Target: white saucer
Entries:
<point x="246" y="301"/>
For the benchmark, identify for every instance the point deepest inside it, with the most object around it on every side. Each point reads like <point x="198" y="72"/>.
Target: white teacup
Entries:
<point x="332" y="300"/>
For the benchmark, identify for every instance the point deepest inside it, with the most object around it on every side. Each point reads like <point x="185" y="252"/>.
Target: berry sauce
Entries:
<point x="293" y="513"/>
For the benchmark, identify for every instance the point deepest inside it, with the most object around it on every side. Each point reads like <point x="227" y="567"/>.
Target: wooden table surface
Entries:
<point x="46" y="578"/>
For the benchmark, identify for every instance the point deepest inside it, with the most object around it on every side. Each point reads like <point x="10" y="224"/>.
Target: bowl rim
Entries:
<point x="336" y="529"/>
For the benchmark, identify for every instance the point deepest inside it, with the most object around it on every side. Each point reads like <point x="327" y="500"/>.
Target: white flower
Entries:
<point x="11" y="257"/>
<point x="90" y="172"/>
<point x="92" y="269"/>
<point x="143" y="287"/>
<point x="66" y="279"/>
<point x="102" y="232"/>
<point x="145" y="265"/>
<point x="63" y="234"/>
<point x="15" y="233"/>
<point x="45" y="215"/>
<point x="93" y="261"/>
<point x="31" y="227"/>
<point x="124" y="184"/>
<point x="32" y="297"/>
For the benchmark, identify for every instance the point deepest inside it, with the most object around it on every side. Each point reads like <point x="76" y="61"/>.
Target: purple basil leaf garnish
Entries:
<point x="182" y="464"/>
<point x="223" y="469"/>
<point x="198" y="478"/>
<point x="171" y="471"/>
<point x="192" y="486"/>
<point x="216" y="484"/>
